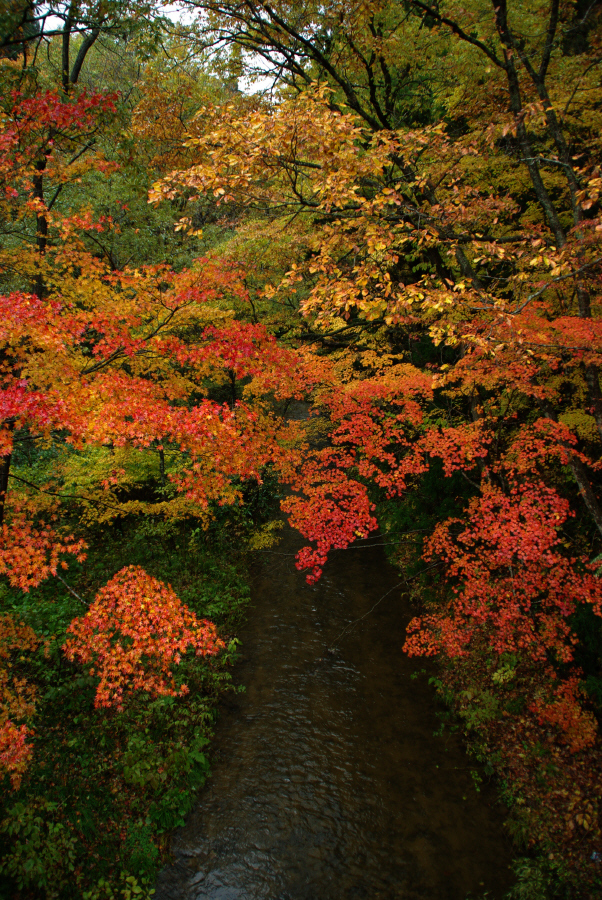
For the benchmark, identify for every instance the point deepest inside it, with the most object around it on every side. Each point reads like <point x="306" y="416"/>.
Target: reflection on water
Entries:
<point x="327" y="781"/>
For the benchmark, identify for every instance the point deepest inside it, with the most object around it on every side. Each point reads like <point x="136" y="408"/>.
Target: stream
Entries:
<point x="328" y="782"/>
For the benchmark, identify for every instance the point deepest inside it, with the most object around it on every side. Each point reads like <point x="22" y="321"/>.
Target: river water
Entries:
<point x="328" y="783"/>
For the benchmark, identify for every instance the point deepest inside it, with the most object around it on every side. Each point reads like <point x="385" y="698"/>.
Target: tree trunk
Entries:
<point x="4" y="473"/>
<point x="162" y="466"/>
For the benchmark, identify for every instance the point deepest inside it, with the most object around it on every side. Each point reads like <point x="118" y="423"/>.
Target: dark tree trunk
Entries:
<point x="4" y="473"/>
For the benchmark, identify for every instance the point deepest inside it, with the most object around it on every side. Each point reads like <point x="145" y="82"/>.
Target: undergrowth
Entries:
<point x="92" y="816"/>
<point x="552" y="793"/>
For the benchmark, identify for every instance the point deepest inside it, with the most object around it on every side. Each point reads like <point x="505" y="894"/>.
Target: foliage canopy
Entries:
<point x="404" y="231"/>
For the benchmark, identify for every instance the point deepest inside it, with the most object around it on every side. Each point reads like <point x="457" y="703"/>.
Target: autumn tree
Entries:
<point x="133" y="633"/>
<point x="375" y="188"/>
<point x="438" y="167"/>
<point x="106" y="364"/>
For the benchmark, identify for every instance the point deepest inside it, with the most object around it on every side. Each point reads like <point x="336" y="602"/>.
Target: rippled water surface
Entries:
<point x="328" y="783"/>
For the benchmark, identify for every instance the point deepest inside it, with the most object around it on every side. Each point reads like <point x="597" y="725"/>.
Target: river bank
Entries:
<point x="94" y="811"/>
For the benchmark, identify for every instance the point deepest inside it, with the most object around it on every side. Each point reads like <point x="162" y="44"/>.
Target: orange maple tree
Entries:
<point x="17" y="699"/>
<point x="444" y="254"/>
<point x="109" y="360"/>
<point x="133" y="633"/>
